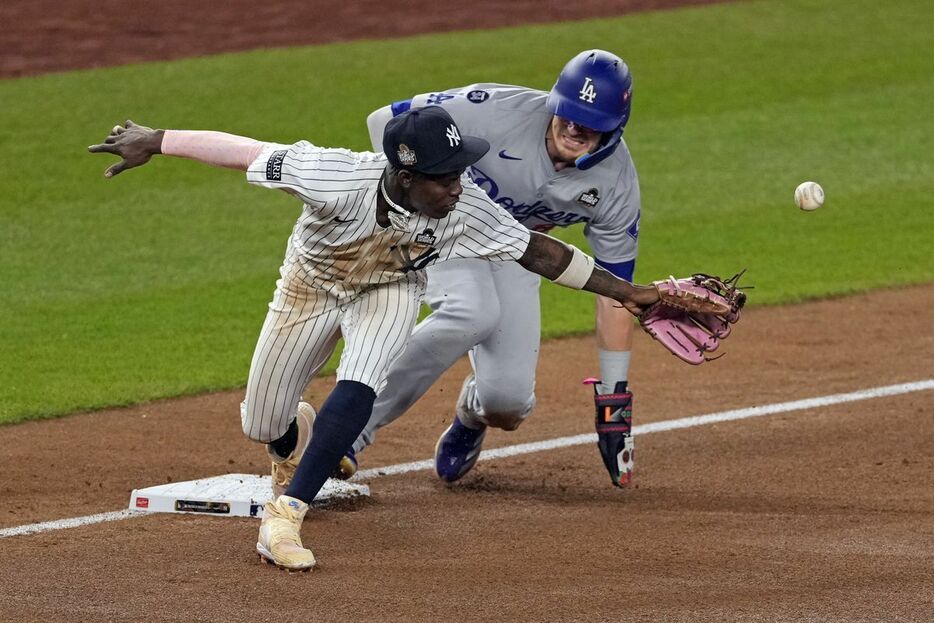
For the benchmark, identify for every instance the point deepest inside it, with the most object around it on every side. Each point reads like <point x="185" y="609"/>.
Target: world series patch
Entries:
<point x="426" y="237"/>
<point x="406" y="155"/>
<point x="589" y="197"/>
<point x="274" y="165"/>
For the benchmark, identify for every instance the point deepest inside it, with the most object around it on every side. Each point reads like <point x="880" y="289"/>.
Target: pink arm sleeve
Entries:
<point x="215" y="148"/>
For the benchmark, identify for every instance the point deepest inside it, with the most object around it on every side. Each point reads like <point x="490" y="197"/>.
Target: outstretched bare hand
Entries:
<point x="135" y="144"/>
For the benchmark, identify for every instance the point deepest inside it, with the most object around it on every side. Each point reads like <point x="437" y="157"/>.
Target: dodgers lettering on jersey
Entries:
<point x="514" y="120"/>
<point x="527" y="212"/>
<point x="339" y="244"/>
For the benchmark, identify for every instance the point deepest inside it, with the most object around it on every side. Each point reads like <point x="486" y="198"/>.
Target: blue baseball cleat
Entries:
<point x="457" y="450"/>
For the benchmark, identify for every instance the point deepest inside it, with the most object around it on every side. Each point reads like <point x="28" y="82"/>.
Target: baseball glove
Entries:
<point x="694" y="314"/>
<point x="614" y="431"/>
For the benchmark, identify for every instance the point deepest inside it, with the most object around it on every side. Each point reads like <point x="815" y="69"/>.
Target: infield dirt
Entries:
<point x="817" y="515"/>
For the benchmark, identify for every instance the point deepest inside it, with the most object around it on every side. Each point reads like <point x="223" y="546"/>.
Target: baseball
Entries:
<point x="809" y="196"/>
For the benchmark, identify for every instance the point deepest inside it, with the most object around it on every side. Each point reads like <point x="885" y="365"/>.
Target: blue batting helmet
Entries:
<point x="593" y="90"/>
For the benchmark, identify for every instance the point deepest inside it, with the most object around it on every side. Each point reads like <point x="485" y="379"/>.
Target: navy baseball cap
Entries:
<point x="428" y="141"/>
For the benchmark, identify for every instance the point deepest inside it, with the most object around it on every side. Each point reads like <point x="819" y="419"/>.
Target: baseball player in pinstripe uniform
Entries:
<point x="355" y="266"/>
<point x="556" y="159"/>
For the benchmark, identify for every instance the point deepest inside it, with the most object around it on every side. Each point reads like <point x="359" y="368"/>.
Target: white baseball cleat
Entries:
<point x="280" y="541"/>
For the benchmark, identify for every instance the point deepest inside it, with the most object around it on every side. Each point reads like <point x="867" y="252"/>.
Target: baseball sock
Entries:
<point x="285" y="445"/>
<point x="340" y="419"/>
<point x="614" y="368"/>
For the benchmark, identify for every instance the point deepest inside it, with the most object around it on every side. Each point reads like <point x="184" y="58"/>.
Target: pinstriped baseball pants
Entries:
<point x="301" y="331"/>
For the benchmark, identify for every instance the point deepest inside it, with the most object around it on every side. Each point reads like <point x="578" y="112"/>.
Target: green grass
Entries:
<point x="154" y="283"/>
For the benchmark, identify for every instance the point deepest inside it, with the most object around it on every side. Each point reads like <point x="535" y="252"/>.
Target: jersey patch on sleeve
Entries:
<point x="274" y="165"/>
<point x="478" y="97"/>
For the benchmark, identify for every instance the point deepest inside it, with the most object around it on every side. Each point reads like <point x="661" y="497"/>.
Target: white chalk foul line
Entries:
<point x="666" y="425"/>
<point x="540" y="446"/>
<point x="74" y="522"/>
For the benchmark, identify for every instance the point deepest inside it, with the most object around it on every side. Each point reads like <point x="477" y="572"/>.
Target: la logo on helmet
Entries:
<point x="588" y="93"/>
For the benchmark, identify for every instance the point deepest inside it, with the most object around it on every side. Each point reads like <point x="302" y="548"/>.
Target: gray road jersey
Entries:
<point x="518" y="174"/>
<point x="341" y="246"/>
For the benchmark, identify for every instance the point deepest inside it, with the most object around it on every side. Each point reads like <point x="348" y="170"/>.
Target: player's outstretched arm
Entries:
<point x="570" y="267"/>
<point x="136" y="144"/>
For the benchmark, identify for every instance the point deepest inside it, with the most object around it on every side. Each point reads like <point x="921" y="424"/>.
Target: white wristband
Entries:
<point x="578" y="272"/>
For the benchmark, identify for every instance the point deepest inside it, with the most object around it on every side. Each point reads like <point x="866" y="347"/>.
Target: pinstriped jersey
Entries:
<point x="518" y="174"/>
<point x="337" y="240"/>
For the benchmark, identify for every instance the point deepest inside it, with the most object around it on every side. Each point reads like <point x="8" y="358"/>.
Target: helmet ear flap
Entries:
<point x="609" y="146"/>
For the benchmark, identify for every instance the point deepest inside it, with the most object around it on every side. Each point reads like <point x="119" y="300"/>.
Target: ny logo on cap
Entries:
<point x="454" y="138"/>
<point x="588" y="93"/>
<point x="406" y="155"/>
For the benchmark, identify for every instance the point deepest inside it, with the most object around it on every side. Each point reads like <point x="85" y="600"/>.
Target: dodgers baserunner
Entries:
<point x="354" y="265"/>
<point x="556" y="159"/>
